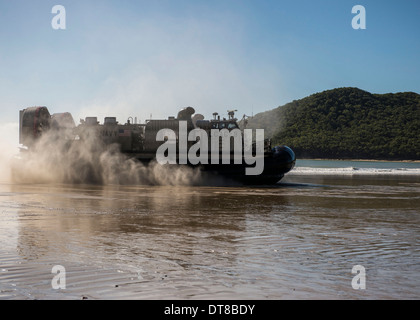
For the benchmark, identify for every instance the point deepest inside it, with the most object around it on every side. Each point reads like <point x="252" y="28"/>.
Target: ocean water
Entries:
<point x="299" y="239"/>
<point x="343" y="167"/>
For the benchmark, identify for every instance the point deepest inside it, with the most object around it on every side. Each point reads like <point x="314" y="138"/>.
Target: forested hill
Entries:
<point x="347" y="123"/>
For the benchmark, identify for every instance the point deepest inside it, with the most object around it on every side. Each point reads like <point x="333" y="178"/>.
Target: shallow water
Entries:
<point x="297" y="240"/>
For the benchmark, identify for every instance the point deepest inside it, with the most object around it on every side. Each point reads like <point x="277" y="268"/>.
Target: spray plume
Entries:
<point x="55" y="160"/>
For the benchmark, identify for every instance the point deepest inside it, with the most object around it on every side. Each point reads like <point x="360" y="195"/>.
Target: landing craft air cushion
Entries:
<point x="140" y="142"/>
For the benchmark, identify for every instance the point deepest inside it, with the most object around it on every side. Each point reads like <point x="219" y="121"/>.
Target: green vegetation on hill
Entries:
<point x="347" y="123"/>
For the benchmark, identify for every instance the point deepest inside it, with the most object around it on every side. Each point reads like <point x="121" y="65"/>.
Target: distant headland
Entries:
<point x="347" y="123"/>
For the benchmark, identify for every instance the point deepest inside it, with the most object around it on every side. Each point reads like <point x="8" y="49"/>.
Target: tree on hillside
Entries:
<point x="347" y="123"/>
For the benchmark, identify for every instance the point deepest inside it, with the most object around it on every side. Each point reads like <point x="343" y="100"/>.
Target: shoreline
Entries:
<point x="359" y="160"/>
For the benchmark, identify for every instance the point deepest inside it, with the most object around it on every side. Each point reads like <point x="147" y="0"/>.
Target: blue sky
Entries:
<point x="142" y="58"/>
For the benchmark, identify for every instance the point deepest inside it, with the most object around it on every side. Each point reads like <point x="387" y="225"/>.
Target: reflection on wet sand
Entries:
<point x="299" y="239"/>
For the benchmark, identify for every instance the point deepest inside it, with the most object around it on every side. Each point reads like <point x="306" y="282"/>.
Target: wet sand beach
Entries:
<point x="297" y="240"/>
